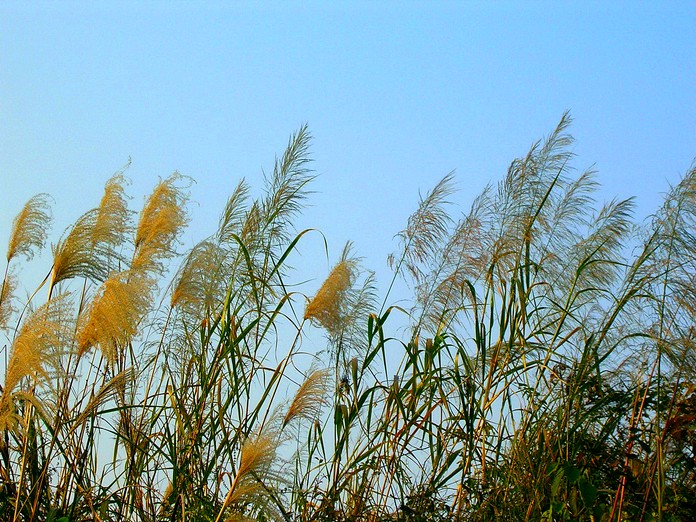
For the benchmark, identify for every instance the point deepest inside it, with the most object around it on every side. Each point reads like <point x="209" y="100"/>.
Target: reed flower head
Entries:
<point x="195" y="284"/>
<point x="310" y="397"/>
<point x="257" y="456"/>
<point x="233" y="218"/>
<point x="90" y="248"/>
<point x="39" y="340"/>
<point x="112" y="318"/>
<point x="112" y="221"/>
<point x="255" y="463"/>
<point x="326" y="306"/>
<point x="74" y="256"/>
<point x="29" y="228"/>
<point x="287" y="187"/>
<point x="426" y="230"/>
<point x="9" y="285"/>
<point x="161" y="221"/>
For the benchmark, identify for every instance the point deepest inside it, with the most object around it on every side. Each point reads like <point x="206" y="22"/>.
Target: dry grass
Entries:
<point x="547" y="368"/>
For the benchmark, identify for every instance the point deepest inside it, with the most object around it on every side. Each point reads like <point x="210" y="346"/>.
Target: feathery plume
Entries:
<point x="326" y="308"/>
<point x="9" y="284"/>
<point x="90" y="248"/>
<point x="39" y="340"/>
<point x="256" y="458"/>
<point x="426" y="230"/>
<point x="30" y="227"/>
<point x="77" y="255"/>
<point x="251" y="232"/>
<point x="112" y="222"/>
<point x="287" y="188"/>
<point x="111" y="319"/>
<point x="233" y="217"/>
<point x="195" y="287"/>
<point x="161" y="222"/>
<point x="255" y="463"/>
<point x="310" y="397"/>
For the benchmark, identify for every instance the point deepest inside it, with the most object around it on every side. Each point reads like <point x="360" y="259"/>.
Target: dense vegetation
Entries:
<point x="547" y="372"/>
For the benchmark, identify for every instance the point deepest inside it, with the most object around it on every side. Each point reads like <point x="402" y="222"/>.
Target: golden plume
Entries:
<point x="255" y="464"/>
<point x="310" y="397"/>
<point x="74" y="256"/>
<point x="39" y="340"/>
<point x="9" y="284"/>
<point x="90" y="248"/>
<point x="111" y="319"/>
<point x="327" y="306"/>
<point x="112" y="222"/>
<point x="161" y="221"/>
<point x="195" y="288"/>
<point x="29" y="228"/>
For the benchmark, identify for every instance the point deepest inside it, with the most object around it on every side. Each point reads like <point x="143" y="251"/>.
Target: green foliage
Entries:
<point x="547" y="370"/>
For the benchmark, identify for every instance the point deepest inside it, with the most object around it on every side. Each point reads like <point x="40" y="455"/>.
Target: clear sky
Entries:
<point x="396" y="94"/>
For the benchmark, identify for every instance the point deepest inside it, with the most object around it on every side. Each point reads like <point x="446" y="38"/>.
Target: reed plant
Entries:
<point x="544" y="369"/>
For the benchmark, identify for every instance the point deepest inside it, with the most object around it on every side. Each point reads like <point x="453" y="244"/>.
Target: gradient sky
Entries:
<point x="396" y="95"/>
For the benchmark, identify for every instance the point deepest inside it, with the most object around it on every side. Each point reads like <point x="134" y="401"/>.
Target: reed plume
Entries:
<point x="310" y="397"/>
<point x="74" y="256"/>
<point x="287" y="187"/>
<point x="233" y="217"/>
<point x="202" y="278"/>
<point x="112" y="222"/>
<point x="326" y="307"/>
<point x="255" y="463"/>
<point x="111" y="320"/>
<point x="344" y="300"/>
<point x="161" y="221"/>
<point x="9" y="284"/>
<point x="29" y="228"/>
<point x="195" y="288"/>
<point x="426" y="229"/>
<point x="38" y="342"/>
<point x="91" y="248"/>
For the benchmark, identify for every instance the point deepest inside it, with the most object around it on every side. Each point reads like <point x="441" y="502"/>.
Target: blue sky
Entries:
<point x="396" y="94"/>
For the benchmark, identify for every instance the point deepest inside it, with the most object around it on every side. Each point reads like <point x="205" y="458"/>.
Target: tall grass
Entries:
<point x="547" y="370"/>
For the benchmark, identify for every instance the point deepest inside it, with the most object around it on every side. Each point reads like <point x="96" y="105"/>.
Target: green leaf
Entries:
<point x="587" y="490"/>
<point x="556" y="484"/>
<point x="572" y="473"/>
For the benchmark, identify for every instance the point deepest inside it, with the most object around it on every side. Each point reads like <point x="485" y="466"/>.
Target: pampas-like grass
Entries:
<point x="111" y="320"/>
<point x="9" y="284"/>
<point x="426" y="230"/>
<point x="325" y="306"/>
<point x="255" y="463"/>
<point x="287" y="187"/>
<point x="90" y="248"/>
<point x="556" y="381"/>
<point x="310" y="397"/>
<point x="328" y="306"/>
<point x="195" y="288"/>
<point x="29" y="228"/>
<point x="234" y="215"/>
<point x="113" y="222"/>
<point x="161" y="221"/>
<point x="40" y="340"/>
<point x="76" y="255"/>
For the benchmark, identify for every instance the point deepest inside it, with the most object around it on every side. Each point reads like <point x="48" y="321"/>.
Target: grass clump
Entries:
<point x="546" y="371"/>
